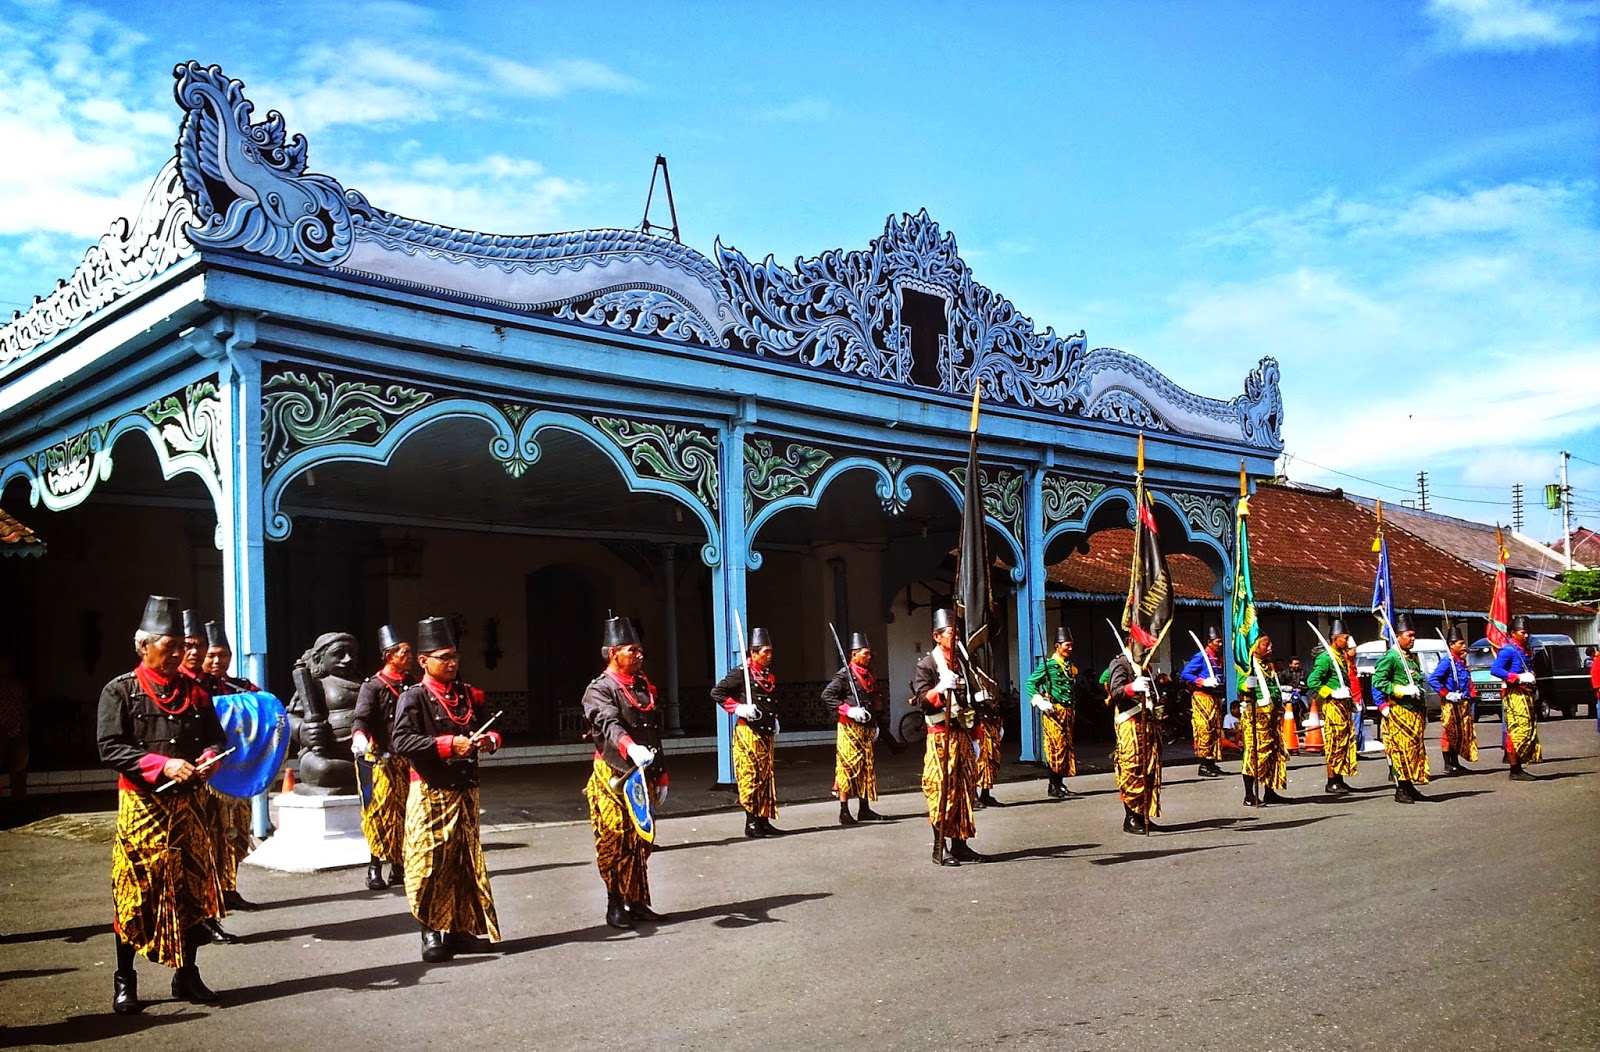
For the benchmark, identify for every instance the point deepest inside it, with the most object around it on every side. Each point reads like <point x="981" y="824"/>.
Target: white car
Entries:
<point x="1428" y="652"/>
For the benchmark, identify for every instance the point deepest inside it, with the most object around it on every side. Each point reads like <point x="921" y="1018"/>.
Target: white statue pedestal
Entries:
<point x="314" y="833"/>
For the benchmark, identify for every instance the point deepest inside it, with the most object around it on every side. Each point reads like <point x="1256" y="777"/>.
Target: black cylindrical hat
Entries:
<point x="217" y="636"/>
<point x="434" y="633"/>
<point x="760" y="637"/>
<point x="193" y="626"/>
<point x="388" y="639"/>
<point x="1519" y="623"/>
<point x="858" y="641"/>
<point x="620" y="633"/>
<point x="1337" y="628"/>
<point x="1458" y="632"/>
<point x="162" y="616"/>
<point x="943" y="619"/>
<point x="1402" y="623"/>
<point x="1212" y="633"/>
<point x="1063" y="634"/>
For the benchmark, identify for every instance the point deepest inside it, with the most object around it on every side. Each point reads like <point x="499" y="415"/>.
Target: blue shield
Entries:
<point x="636" y="794"/>
<point x="258" y="729"/>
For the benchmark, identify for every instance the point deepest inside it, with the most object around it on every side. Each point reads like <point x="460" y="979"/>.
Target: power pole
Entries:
<point x="1566" y="511"/>
<point x="1422" y="490"/>
<point x="1516" y="506"/>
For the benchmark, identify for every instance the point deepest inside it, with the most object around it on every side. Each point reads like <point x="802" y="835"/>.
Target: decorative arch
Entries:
<point x="1095" y="501"/>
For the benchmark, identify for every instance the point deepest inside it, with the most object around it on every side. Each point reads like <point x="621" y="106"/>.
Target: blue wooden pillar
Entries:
<point x="240" y="520"/>
<point x="1030" y="606"/>
<point x="728" y="582"/>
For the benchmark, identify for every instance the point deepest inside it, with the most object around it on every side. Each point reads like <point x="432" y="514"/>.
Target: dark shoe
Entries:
<point x="1151" y="827"/>
<point x="235" y="901"/>
<point x="1271" y="797"/>
<point x="1519" y="775"/>
<point x="752" y="827"/>
<point x="1251" y="801"/>
<point x="1411" y="790"/>
<point x="942" y="859"/>
<point x="466" y="942"/>
<point x="1131" y="823"/>
<point x="1401" y="796"/>
<point x="1056" y="791"/>
<point x="434" y="948"/>
<point x="397" y="874"/>
<point x="867" y="814"/>
<point x="125" y="993"/>
<point x="1205" y="770"/>
<point x="962" y="853"/>
<point x="1462" y="768"/>
<point x="375" y="881"/>
<point x="216" y="933"/>
<point x="1332" y="787"/>
<point x="617" y="915"/>
<point x="768" y="829"/>
<point x="987" y="799"/>
<point x="640" y="912"/>
<point x="845" y="817"/>
<point x="187" y="986"/>
<point x="1449" y="763"/>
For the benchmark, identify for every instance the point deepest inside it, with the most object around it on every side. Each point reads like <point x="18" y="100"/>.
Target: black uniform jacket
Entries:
<point x="732" y="689"/>
<point x="615" y="712"/>
<point x="420" y="719"/>
<point x="1122" y="674"/>
<point x="926" y="676"/>
<point x="131" y="726"/>
<point x="375" y="706"/>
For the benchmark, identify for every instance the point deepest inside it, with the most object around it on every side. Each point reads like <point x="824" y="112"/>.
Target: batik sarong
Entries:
<point x="163" y="870"/>
<point x="383" y="822"/>
<point x="1058" y="744"/>
<point x="854" y="772"/>
<point x="1402" y="738"/>
<point x="949" y="758"/>
<point x="447" y="880"/>
<point x="753" y="772"/>
<point x="1138" y="765"/>
<point x="621" y="854"/>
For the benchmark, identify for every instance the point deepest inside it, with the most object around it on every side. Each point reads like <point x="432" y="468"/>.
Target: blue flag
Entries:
<point x="1383" y="592"/>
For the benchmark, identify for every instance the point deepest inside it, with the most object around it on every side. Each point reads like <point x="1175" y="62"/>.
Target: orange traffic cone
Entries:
<point x="288" y="779"/>
<point x="1314" y="742"/>
<point x="1291" y="739"/>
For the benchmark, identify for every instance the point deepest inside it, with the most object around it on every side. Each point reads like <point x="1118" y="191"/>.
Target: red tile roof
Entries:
<point x="1585" y="546"/>
<point x="17" y="539"/>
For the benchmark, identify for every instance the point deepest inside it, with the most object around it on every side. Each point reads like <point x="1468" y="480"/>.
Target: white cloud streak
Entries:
<point x="1513" y="25"/>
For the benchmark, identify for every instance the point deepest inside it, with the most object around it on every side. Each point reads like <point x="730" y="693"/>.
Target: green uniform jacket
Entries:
<point x="1054" y="681"/>
<point x="1391" y="673"/>
<point x="1250" y="686"/>
<point x="1325" y="676"/>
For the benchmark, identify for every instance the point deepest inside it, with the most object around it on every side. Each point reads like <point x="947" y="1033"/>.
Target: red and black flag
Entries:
<point x="1149" y="611"/>
<point x="974" y="604"/>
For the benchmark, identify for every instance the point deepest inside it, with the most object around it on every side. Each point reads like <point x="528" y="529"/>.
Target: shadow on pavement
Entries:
<point x="1558" y="776"/>
<point x="1293" y="823"/>
<point x="1439" y="798"/>
<point x="83" y="933"/>
<point x="33" y="973"/>
<point x="724" y="915"/>
<point x="537" y="868"/>
<point x="1145" y="856"/>
<point x="1059" y="851"/>
<point x="357" y="929"/>
<point x="390" y="976"/>
<point x="81" y="1029"/>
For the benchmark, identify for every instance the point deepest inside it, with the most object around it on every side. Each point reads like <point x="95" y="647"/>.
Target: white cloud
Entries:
<point x="1513" y="25"/>
<point x="797" y="111"/>
<point x="497" y="194"/>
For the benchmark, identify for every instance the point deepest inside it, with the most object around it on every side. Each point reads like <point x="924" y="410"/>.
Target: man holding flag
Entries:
<point x="1334" y="682"/>
<point x="1514" y="665"/>
<point x="1451" y="679"/>
<point x="1399" y="678"/>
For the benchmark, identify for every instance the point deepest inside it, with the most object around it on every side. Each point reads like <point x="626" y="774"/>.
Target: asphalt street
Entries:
<point x="1469" y="922"/>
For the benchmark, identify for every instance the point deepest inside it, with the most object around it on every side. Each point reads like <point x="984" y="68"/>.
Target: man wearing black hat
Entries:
<point x="231" y="827"/>
<point x="949" y="767"/>
<point x="1053" y="691"/>
<point x="1337" y="688"/>
<point x="192" y="667"/>
<point x="439" y="727"/>
<point x="1399" y="677"/>
<point x="383" y="822"/>
<point x="619" y="706"/>
<point x="1138" y="754"/>
<point x="747" y="693"/>
<point x="155" y="727"/>
<point x="1451" y="679"/>
<point x="1206" y="697"/>
<point x="851" y="693"/>
<point x="1514" y="665"/>
<point x="1264" y="765"/>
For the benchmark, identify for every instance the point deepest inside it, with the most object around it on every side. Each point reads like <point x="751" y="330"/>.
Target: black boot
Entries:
<point x="1131" y="822"/>
<point x="1411" y="790"/>
<point x="1270" y="796"/>
<point x="845" y="817"/>
<point x="1449" y="763"/>
<point x="768" y="829"/>
<point x="641" y="912"/>
<point x="466" y="942"/>
<point x="434" y="949"/>
<point x="752" y="827"/>
<point x="962" y="853"/>
<point x="125" y="993"/>
<point x="1209" y="769"/>
<point x="1402" y="793"/>
<point x="986" y="799"/>
<point x="1339" y="778"/>
<point x="216" y="933"/>
<point x="864" y="813"/>
<point x="940" y="858"/>
<point x="188" y="986"/>
<point x="1331" y="787"/>
<point x="1519" y="775"/>
<point x="235" y="901"/>
<point x="397" y="874"/>
<point x="1250" y="792"/>
<point x="375" y="881"/>
<point x="1461" y="768"/>
<point x="1055" y="790"/>
<point x="617" y="913"/>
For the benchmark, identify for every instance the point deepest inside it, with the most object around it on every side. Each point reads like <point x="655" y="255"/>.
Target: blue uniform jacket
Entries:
<point x="1511" y="661"/>
<point x="1196" y="670"/>
<point x="1448" y="676"/>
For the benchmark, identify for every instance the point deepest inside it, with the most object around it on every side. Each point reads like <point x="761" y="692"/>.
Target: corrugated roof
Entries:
<point x="1533" y="567"/>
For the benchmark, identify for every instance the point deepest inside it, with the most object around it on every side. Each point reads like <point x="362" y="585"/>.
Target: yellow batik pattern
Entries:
<point x="1522" y="726"/>
<point x="230" y="835"/>
<point x="950" y="756"/>
<point x="1058" y="751"/>
<point x="383" y="823"/>
<point x="1457" y="731"/>
<point x="620" y="853"/>
<point x="1205" y="720"/>
<point x="1266" y="758"/>
<point x="753" y="772"/>
<point x="854" y="772"/>
<point x="1402" y="738"/>
<point x="986" y="736"/>
<point x="1139" y="767"/>
<point x="163" y="870"/>
<point x="1339" y="737"/>
<point x="447" y="881"/>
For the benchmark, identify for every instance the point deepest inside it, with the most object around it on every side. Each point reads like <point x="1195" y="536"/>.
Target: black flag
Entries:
<point x="1149" y="610"/>
<point x="974" y="606"/>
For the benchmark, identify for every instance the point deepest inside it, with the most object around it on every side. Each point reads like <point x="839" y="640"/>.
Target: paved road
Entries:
<point x="1469" y="923"/>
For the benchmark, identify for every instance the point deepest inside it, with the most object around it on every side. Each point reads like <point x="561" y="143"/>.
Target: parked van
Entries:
<point x="1562" y="683"/>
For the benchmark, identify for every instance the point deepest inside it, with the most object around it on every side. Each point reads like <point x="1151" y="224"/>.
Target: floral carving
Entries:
<point x="190" y="424"/>
<point x="300" y="411"/>
<point x="671" y="452"/>
<point x="1066" y="499"/>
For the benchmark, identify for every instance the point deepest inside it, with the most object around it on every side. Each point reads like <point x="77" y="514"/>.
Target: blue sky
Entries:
<point x="1398" y="200"/>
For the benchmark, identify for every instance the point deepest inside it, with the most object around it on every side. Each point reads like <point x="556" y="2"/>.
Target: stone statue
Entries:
<point x="322" y="710"/>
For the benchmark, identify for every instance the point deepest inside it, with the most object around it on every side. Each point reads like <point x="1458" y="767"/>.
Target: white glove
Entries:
<point x="1141" y="684"/>
<point x="1286" y="692"/>
<point x="360" y="747"/>
<point x="1042" y="703"/>
<point x="1209" y="682"/>
<point x="1342" y="693"/>
<point x="1526" y="677"/>
<point x="640" y="755"/>
<point x="947" y="681"/>
<point x="859" y="714"/>
<point x="1406" y="690"/>
<point x="776" y="726"/>
<point x="1454" y="695"/>
<point x="979" y="697"/>
<point x="746" y="711"/>
<point x="661" y="795"/>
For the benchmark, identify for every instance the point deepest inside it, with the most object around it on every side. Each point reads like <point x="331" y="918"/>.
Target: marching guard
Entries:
<point x="192" y="667"/>
<point x="1265" y="765"/>
<point x="1207" y="698"/>
<point x="230" y="832"/>
<point x="851" y="694"/>
<point x="755" y="733"/>
<point x="988" y="731"/>
<point x="438" y="728"/>
<point x="949" y="767"/>
<point x="619" y="706"/>
<point x="1514" y="665"/>
<point x="158" y="731"/>
<point x="1052" y="690"/>
<point x="383" y="821"/>
<point x="1138" y="755"/>
<point x="1399" y="678"/>
<point x="1334" y="682"/>
<point x="1451" y="679"/>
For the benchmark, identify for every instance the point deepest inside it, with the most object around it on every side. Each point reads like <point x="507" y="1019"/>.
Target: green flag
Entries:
<point x="1246" y="630"/>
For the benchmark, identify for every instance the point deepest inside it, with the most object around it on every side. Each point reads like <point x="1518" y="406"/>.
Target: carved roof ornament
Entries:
<point x="905" y="311"/>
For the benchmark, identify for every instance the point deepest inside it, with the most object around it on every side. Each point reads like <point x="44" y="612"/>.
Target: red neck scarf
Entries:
<point x="162" y="689"/>
<point x="762" y="678"/>
<point x="450" y="697"/>
<point x="863" y="676"/>
<point x="626" y="682"/>
<point x="951" y="662"/>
